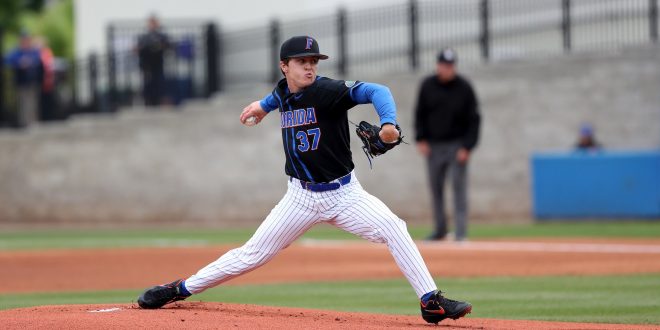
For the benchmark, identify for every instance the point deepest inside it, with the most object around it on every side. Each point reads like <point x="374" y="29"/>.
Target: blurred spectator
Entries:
<point x="25" y="62"/>
<point x="151" y="52"/>
<point x="47" y="93"/>
<point x="447" y="124"/>
<point x="587" y="140"/>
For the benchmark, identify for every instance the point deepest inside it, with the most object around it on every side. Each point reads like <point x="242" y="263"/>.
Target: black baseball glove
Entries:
<point x="372" y="144"/>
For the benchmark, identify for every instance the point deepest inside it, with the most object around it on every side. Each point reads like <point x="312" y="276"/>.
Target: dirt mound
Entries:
<point x="199" y="315"/>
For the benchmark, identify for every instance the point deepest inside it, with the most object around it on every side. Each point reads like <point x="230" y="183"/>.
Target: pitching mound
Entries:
<point x="199" y="315"/>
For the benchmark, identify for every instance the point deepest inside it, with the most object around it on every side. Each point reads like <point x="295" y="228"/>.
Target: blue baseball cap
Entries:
<point x="301" y="46"/>
<point x="586" y="129"/>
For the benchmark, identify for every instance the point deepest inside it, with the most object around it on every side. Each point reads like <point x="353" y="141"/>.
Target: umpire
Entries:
<point x="447" y="129"/>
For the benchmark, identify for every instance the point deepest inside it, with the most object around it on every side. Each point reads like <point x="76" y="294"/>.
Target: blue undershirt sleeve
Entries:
<point x="269" y="103"/>
<point x="378" y="95"/>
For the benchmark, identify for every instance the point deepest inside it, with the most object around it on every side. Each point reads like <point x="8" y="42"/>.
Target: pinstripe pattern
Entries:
<point x="349" y="208"/>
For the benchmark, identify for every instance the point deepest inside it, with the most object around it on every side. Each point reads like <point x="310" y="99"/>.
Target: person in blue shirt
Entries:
<point x="25" y="64"/>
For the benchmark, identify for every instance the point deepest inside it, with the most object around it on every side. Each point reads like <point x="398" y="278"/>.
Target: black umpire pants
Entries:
<point x="442" y="161"/>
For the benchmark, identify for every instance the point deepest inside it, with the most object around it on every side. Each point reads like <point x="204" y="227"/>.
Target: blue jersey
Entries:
<point x="314" y="123"/>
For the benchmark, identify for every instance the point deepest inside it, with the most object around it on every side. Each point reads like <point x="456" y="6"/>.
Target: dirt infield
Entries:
<point x="196" y="315"/>
<point x="104" y="269"/>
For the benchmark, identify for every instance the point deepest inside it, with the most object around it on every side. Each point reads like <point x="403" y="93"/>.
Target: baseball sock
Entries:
<point x="183" y="290"/>
<point x="427" y="296"/>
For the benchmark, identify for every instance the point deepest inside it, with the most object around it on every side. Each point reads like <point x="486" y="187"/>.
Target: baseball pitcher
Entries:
<point x="322" y="186"/>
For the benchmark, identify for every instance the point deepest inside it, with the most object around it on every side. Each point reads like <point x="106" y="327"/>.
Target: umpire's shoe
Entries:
<point x="160" y="295"/>
<point x="436" y="308"/>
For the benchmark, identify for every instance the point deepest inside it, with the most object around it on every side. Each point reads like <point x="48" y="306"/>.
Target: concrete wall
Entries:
<point x="199" y="165"/>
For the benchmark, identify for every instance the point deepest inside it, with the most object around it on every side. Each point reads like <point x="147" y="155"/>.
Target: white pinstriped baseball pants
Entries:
<point x="350" y="208"/>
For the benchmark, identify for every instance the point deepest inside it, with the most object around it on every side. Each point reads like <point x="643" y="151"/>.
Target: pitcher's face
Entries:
<point x="300" y="72"/>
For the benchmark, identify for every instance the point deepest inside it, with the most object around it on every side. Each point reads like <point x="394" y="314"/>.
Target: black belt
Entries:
<point x="326" y="186"/>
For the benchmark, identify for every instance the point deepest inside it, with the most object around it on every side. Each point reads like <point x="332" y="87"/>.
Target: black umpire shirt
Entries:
<point x="447" y="112"/>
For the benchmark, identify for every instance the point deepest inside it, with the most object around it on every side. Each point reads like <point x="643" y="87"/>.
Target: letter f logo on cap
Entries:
<point x="310" y="41"/>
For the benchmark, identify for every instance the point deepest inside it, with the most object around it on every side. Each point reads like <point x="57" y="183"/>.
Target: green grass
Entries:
<point x="67" y="238"/>
<point x="608" y="299"/>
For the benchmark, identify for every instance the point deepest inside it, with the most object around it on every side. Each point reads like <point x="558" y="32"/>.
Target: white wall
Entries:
<point x="92" y="16"/>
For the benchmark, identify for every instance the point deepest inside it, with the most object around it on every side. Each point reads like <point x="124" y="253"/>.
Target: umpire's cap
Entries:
<point x="301" y="46"/>
<point x="447" y="55"/>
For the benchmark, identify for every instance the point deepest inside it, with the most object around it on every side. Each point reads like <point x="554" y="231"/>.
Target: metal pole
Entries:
<point x="183" y="91"/>
<point x="2" y="76"/>
<point x="485" y="30"/>
<point x="275" y="73"/>
<point x="73" y="75"/>
<point x="653" y="20"/>
<point x="93" y="82"/>
<point x="341" y="38"/>
<point x="211" y="59"/>
<point x="220" y="59"/>
<point x="566" y="24"/>
<point x="112" y="69"/>
<point x="414" y="36"/>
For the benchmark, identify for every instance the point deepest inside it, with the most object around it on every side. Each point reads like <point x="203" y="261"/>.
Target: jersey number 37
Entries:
<point x="304" y="136"/>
